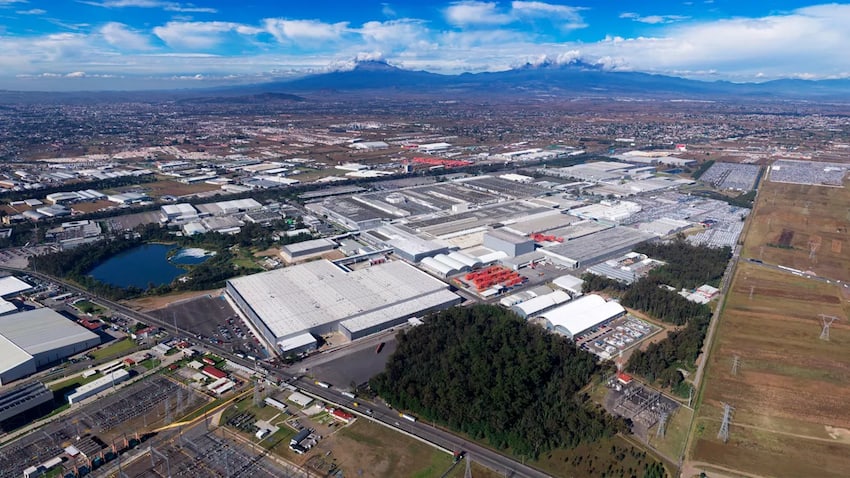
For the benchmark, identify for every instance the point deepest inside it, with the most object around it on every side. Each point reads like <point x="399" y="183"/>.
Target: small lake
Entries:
<point x="147" y="264"/>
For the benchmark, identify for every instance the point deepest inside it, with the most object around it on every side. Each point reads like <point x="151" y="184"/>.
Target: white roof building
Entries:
<point x="11" y="285"/>
<point x="319" y="297"/>
<point x="538" y="304"/>
<point x="581" y="315"/>
<point x="569" y="283"/>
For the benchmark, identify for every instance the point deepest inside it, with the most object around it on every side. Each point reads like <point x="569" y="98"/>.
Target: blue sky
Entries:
<point x="128" y="44"/>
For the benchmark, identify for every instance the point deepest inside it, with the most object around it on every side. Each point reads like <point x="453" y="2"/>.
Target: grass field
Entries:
<point x="118" y="348"/>
<point x="383" y="453"/>
<point x="791" y="388"/>
<point x="614" y="457"/>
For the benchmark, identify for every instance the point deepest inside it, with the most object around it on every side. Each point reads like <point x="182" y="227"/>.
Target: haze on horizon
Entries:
<point x="151" y="44"/>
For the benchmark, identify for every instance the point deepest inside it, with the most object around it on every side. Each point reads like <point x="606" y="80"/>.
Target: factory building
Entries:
<point x="289" y="306"/>
<point x="511" y="244"/>
<point x="597" y="247"/>
<point x="35" y="338"/>
<point x="540" y="303"/>
<point x="96" y="386"/>
<point x="23" y="398"/>
<point x="178" y="213"/>
<point x="405" y="243"/>
<point x="300" y="251"/>
<point x="581" y="315"/>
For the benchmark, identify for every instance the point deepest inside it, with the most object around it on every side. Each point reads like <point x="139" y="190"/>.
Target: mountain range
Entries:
<point x="546" y="79"/>
<point x="573" y="79"/>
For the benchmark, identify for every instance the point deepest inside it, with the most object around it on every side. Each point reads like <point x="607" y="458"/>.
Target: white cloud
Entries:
<point x="395" y="33"/>
<point x="165" y="5"/>
<point x="32" y="11"/>
<point x="388" y="11"/>
<point x="298" y="31"/>
<point x="11" y="2"/>
<point x="556" y="13"/>
<point x="200" y="35"/>
<point x="467" y="13"/>
<point x="120" y="36"/>
<point x="653" y="19"/>
<point x="76" y="74"/>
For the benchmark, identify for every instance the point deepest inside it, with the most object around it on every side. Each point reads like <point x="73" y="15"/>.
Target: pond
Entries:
<point x="147" y="264"/>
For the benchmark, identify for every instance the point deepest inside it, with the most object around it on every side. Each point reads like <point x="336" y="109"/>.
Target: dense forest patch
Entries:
<point x="485" y="372"/>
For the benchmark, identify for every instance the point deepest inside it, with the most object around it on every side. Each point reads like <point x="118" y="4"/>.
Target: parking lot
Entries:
<point x="355" y="364"/>
<point x="621" y="334"/>
<point x="212" y="320"/>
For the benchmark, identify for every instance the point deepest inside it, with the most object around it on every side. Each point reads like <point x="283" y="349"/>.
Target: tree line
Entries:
<point x="486" y="372"/>
<point x="76" y="264"/>
<point x="686" y="266"/>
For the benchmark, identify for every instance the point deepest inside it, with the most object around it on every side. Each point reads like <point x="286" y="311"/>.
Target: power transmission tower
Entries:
<point x="723" y="434"/>
<point x="826" y="320"/>
<point x="735" y="362"/>
<point x="690" y="395"/>
<point x="468" y="473"/>
<point x="258" y="396"/>
<point x="752" y="289"/>
<point x="813" y="249"/>
<point x="662" y="423"/>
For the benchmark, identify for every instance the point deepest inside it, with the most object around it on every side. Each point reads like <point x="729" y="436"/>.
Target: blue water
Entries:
<point x="144" y="265"/>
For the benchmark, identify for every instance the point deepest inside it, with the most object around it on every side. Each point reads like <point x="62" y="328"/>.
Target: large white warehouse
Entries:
<point x="32" y="339"/>
<point x="288" y="306"/>
<point x="582" y="315"/>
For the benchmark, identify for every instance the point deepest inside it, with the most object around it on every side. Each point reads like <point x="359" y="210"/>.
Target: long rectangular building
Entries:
<point x="288" y="306"/>
<point x="38" y="337"/>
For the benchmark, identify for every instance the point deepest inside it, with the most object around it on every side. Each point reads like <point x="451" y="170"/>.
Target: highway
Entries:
<point x="381" y="413"/>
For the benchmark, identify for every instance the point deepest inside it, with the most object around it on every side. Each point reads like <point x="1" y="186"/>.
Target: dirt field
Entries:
<point x="87" y="207"/>
<point x="791" y="220"/>
<point x="147" y="304"/>
<point x="173" y="188"/>
<point x="791" y="388"/>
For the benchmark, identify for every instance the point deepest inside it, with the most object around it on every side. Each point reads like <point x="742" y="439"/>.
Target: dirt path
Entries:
<point x="691" y="469"/>
<point x="148" y="304"/>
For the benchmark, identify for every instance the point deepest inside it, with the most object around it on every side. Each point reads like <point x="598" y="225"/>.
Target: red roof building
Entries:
<point x="624" y="378"/>
<point x="90" y="324"/>
<point x="213" y="372"/>
<point x="342" y="415"/>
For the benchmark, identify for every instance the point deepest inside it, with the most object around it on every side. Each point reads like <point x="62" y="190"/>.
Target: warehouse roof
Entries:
<point x="507" y="236"/>
<point x="40" y="330"/>
<point x="541" y="303"/>
<point x="12" y="356"/>
<point x="10" y="285"/>
<point x="598" y="244"/>
<point x="296" y="299"/>
<point x="582" y="314"/>
<point x="309" y="246"/>
<point x="569" y="282"/>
